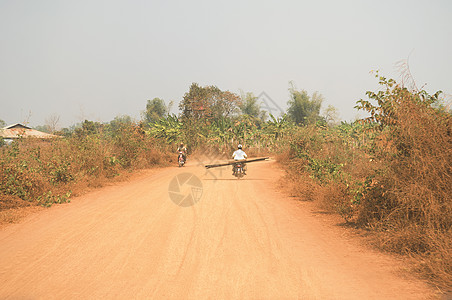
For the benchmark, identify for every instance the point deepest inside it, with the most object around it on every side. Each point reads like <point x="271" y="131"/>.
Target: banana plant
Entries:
<point x="277" y="126"/>
<point x="168" y="128"/>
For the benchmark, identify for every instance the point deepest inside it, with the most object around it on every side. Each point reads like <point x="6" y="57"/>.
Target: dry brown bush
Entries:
<point x="412" y="202"/>
<point x="393" y="179"/>
<point x="47" y="172"/>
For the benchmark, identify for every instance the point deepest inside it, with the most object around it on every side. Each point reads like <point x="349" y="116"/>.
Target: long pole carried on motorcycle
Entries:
<point x="235" y="161"/>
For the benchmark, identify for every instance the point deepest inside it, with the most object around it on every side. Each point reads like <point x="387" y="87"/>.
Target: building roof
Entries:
<point x="17" y="125"/>
<point x="18" y="130"/>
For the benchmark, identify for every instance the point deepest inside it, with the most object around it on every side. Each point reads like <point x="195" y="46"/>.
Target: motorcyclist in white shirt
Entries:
<point x="239" y="154"/>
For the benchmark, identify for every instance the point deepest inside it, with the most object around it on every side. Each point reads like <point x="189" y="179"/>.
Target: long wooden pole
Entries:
<point x="235" y="161"/>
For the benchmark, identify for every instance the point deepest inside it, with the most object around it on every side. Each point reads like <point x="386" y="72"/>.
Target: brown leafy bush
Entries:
<point x="412" y="196"/>
<point x="390" y="173"/>
<point x="46" y="172"/>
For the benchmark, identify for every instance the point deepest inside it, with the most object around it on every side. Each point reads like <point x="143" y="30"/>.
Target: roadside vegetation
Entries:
<point x="44" y="172"/>
<point x="388" y="174"/>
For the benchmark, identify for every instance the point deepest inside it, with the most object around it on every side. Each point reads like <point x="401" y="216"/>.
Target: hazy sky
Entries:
<point x="99" y="59"/>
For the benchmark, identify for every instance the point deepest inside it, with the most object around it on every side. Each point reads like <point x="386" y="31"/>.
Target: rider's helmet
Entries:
<point x="239" y="146"/>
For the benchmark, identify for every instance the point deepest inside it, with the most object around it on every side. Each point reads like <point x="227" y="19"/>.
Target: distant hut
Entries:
<point x="17" y="131"/>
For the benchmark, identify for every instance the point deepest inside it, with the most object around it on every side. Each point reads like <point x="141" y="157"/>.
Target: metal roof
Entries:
<point x="18" y="130"/>
<point x="17" y="125"/>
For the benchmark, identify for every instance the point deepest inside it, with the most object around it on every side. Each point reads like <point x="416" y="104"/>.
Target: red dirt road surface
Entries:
<point x="243" y="239"/>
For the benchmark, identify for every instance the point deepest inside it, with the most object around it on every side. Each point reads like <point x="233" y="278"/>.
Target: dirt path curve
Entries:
<point x="243" y="239"/>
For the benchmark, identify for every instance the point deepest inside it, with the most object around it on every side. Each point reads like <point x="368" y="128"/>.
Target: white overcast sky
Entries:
<point x="100" y="59"/>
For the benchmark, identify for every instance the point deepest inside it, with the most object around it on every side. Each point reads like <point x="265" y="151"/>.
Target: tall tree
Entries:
<point x="302" y="108"/>
<point x="155" y="109"/>
<point x="250" y="106"/>
<point x="208" y="102"/>
<point x="118" y="122"/>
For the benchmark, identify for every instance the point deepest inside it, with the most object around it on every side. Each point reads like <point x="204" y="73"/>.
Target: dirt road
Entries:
<point x="242" y="239"/>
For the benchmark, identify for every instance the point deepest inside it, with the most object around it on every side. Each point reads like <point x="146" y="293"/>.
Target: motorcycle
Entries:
<point x="181" y="159"/>
<point x="238" y="170"/>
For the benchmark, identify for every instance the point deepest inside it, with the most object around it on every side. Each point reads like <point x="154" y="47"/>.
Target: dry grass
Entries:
<point x="47" y="172"/>
<point x="413" y="204"/>
<point x="397" y="183"/>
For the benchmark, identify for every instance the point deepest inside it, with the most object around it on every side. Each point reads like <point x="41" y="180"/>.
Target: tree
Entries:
<point x="67" y="132"/>
<point x="42" y="128"/>
<point x="52" y="123"/>
<point x="331" y="116"/>
<point x="119" y="121"/>
<point x="88" y="128"/>
<point x="302" y="108"/>
<point x="249" y="106"/>
<point x="208" y="102"/>
<point x="155" y="110"/>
